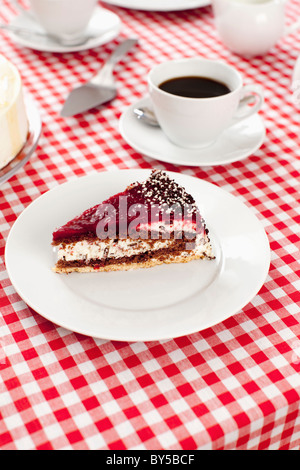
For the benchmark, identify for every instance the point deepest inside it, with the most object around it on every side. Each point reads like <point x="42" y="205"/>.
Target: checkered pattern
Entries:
<point x="233" y="386"/>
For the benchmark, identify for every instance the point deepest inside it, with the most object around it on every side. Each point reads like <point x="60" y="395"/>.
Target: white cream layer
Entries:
<point x="97" y="249"/>
<point x="85" y="251"/>
<point x="13" y="119"/>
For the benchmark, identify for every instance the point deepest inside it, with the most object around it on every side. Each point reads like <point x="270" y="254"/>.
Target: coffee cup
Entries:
<point x="200" y="111"/>
<point x="250" y="27"/>
<point x="65" y="19"/>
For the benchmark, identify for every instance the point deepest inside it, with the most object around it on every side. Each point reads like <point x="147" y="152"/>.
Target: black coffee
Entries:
<point x="194" y="87"/>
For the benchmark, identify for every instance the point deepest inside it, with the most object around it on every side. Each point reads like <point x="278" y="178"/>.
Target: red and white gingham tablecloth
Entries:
<point x="233" y="386"/>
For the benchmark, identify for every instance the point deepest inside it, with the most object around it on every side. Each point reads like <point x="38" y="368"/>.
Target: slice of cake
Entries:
<point x="13" y="119"/>
<point x="150" y="223"/>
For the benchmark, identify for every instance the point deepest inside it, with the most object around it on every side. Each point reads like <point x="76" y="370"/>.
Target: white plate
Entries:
<point x="145" y="304"/>
<point x="160" y="5"/>
<point x="236" y="143"/>
<point x="34" y="132"/>
<point x="104" y="27"/>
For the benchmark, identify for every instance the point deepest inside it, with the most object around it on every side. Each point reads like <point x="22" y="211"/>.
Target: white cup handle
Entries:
<point x="251" y="94"/>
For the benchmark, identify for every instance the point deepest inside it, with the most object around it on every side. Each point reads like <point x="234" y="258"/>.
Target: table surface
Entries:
<point x="232" y="386"/>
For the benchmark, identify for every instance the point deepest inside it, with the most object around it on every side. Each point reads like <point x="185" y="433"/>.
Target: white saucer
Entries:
<point x="143" y="304"/>
<point x="34" y="132"/>
<point x="236" y="143"/>
<point x="104" y="26"/>
<point x="160" y="5"/>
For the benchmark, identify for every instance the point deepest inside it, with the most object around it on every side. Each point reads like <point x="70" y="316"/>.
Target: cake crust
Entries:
<point x="131" y="266"/>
